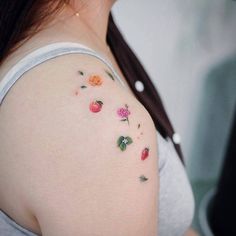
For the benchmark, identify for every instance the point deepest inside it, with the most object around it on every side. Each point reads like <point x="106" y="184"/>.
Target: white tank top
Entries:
<point x="176" y="202"/>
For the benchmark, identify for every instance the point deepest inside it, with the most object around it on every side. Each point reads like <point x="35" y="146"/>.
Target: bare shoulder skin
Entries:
<point x="83" y="151"/>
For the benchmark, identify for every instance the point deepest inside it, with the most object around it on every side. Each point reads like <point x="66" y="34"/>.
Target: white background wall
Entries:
<point x="178" y="42"/>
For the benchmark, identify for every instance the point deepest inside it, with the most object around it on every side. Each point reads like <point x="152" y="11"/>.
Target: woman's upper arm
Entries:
<point x="89" y="152"/>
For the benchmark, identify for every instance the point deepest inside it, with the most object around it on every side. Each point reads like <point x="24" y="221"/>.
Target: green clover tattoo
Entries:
<point x="122" y="142"/>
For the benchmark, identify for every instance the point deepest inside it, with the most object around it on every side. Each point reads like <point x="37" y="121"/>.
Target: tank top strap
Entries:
<point x="45" y="53"/>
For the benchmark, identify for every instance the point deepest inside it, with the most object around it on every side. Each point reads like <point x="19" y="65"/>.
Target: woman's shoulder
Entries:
<point x="80" y="134"/>
<point x="73" y="81"/>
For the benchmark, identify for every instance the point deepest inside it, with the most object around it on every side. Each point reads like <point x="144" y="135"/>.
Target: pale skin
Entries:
<point x="61" y="175"/>
<point x="79" y="181"/>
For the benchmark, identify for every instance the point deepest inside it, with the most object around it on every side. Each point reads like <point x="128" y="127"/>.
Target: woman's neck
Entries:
<point x="92" y="19"/>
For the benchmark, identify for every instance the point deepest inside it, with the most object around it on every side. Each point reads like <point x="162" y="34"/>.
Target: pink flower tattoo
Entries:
<point x="124" y="113"/>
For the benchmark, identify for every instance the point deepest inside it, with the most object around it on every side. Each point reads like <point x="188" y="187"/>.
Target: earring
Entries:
<point x="76" y="12"/>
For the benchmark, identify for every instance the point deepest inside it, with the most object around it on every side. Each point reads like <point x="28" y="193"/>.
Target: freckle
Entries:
<point x="139" y="126"/>
<point x="137" y="137"/>
<point x="141" y="133"/>
<point x="76" y="93"/>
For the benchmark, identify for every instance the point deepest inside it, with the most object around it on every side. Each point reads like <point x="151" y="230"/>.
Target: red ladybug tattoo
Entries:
<point x="95" y="106"/>
<point x="145" y="154"/>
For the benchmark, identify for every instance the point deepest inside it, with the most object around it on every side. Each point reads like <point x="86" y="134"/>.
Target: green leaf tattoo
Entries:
<point x="81" y="72"/>
<point x="122" y="142"/>
<point x="100" y="102"/>
<point x="129" y="140"/>
<point x="143" y="178"/>
<point x="122" y="146"/>
<point x="110" y="75"/>
<point x="119" y="141"/>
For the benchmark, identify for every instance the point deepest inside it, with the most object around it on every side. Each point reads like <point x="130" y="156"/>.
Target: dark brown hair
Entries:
<point x="21" y="19"/>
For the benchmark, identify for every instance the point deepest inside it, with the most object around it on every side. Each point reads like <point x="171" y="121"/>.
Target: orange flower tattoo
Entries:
<point x="95" y="80"/>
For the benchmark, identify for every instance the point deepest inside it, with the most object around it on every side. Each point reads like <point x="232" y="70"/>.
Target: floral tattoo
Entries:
<point x="95" y="80"/>
<point x="96" y="106"/>
<point x="124" y="113"/>
<point x="122" y="142"/>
